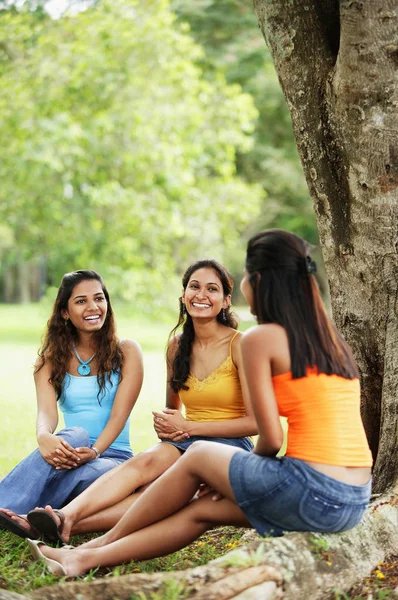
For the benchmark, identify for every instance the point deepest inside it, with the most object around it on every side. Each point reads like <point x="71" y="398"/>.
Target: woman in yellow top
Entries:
<point x="296" y="364"/>
<point x="204" y="367"/>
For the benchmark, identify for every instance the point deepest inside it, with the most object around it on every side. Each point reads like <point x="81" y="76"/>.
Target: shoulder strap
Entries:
<point x="230" y="343"/>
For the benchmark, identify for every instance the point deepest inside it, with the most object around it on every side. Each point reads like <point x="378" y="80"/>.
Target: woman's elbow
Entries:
<point x="252" y="426"/>
<point x="276" y="441"/>
<point x="271" y="444"/>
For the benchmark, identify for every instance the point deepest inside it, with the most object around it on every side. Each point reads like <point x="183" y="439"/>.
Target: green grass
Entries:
<point x="20" y="330"/>
<point x="19" y="573"/>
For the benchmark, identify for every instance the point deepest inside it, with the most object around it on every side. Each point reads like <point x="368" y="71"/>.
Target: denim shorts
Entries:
<point x="286" y="494"/>
<point x="244" y="443"/>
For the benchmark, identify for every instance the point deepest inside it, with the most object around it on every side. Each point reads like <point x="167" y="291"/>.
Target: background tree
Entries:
<point x="337" y="64"/>
<point x="228" y="32"/>
<point x="115" y="151"/>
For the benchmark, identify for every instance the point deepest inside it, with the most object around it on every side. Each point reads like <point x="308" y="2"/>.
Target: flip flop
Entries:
<point x="11" y="525"/>
<point x="45" y="524"/>
<point x="52" y="565"/>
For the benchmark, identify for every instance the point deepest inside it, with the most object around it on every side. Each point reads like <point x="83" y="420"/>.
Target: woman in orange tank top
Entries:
<point x="295" y="361"/>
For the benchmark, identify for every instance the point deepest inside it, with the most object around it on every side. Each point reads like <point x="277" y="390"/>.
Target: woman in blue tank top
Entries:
<point x="95" y="380"/>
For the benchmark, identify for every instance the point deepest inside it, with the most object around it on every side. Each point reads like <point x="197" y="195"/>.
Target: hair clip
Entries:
<point x="310" y="264"/>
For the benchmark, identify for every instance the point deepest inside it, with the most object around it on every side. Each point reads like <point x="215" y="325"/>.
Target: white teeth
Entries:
<point x="91" y="318"/>
<point x="197" y="305"/>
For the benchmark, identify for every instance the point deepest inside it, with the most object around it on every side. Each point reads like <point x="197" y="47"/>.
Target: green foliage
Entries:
<point x="115" y="151"/>
<point x="229" y="33"/>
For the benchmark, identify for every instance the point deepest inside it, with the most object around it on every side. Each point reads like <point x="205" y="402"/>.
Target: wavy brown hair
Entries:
<point x="285" y="291"/>
<point x="60" y="336"/>
<point x="180" y="367"/>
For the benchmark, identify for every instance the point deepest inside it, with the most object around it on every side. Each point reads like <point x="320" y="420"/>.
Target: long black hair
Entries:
<point x="180" y="366"/>
<point x="286" y="292"/>
<point x="58" y="340"/>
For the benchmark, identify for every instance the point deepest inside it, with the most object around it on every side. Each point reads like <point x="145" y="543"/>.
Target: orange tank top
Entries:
<point x="216" y="398"/>
<point x="324" y="420"/>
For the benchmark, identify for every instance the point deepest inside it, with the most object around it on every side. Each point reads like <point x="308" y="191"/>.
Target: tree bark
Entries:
<point x="338" y="63"/>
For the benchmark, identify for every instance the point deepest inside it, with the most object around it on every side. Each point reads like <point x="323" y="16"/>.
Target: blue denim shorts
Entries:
<point x="244" y="443"/>
<point x="286" y="494"/>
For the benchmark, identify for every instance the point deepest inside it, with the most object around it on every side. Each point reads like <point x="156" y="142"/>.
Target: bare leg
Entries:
<point x="104" y="520"/>
<point x="204" y="462"/>
<point x="166" y="499"/>
<point x="158" y="539"/>
<point x="117" y="484"/>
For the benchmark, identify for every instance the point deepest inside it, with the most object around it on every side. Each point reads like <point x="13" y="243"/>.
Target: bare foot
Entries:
<point x="20" y="519"/>
<point x="65" y="531"/>
<point x="73" y="561"/>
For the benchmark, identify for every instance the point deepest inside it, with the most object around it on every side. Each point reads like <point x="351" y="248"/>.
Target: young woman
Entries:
<point x="296" y="365"/>
<point x="204" y="367"/>
<point x="95" y="380"/>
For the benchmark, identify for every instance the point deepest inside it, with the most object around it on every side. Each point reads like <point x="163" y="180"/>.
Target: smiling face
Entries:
<point x="204" y="294"/>
<point x="87" y="306"/>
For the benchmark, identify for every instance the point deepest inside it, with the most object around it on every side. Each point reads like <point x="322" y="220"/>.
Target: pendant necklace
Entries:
<point x="84" y="367"/>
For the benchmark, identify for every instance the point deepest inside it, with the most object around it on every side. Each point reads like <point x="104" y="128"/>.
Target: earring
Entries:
<point x="224" y="315"/>
<point x="66" y="321"/>
<point x="184" y="309"/>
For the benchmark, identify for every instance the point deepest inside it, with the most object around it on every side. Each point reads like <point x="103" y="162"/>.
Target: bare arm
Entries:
<point x="53" y="448"/>
<point x="172" y="398"/>
<point x="173" y="402"/>
<point x="257" y="353"/>
<point x="240" y="427"/>
<point x="126" y="395"/>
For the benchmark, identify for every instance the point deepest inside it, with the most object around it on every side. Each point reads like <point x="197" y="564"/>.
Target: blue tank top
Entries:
<point x="81" y="408"/>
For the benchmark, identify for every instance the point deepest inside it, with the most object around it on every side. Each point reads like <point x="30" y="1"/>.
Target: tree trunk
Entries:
<point x="23" y="280"/>
<point x="8" y="282"/>
<point x="337" y="63"/>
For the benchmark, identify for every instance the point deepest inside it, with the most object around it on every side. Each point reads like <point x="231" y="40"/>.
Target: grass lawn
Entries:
<point x="20" y="330"/>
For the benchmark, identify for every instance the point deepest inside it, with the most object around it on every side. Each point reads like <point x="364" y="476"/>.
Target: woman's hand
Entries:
<point x="205" y="489"/>
<point x="170" y="421"/>
<point x="86" y="454"/>
<point x="57" y="452"/>
<point x="176" y="436"/>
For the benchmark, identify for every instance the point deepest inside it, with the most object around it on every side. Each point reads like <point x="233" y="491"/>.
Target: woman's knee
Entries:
<point x="197" y="448"/>
<point x="75" y="436"/>
<point x="144" y="461"/>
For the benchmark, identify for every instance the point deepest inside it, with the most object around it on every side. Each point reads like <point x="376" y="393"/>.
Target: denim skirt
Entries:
<point x="244" y="443"/>
<point x="285" y="494"/>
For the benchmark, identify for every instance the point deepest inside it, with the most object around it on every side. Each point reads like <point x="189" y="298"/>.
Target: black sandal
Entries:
<point x="8" y="524"/>
<point x="46" y="525"/>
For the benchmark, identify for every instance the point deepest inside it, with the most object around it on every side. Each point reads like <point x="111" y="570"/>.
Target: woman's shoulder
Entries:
<point x="172" y="346"/>
<point x="173" y="341"/>
<point x="235" y="337"/>
<point x="42" y="367"/>
<point x="266" y="333"/>
<point x="130" y="347"/>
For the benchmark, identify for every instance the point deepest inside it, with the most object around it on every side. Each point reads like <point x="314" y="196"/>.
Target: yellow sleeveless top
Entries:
<point x="216" y="398"/>
<point x="324" y="420"/>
